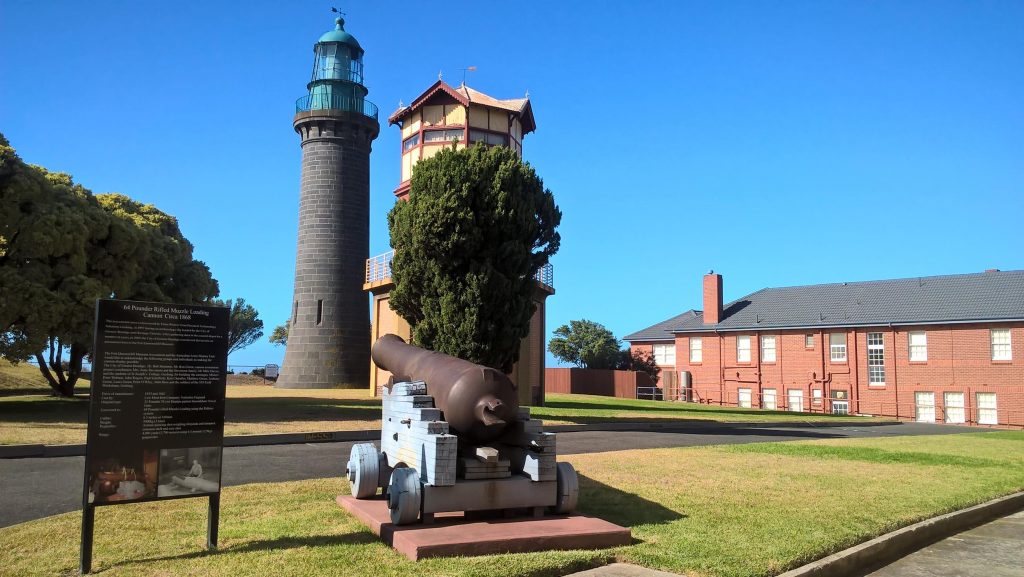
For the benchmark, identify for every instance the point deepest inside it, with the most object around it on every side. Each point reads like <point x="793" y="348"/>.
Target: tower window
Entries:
<point x="411" y="142"/>
<point x="295" y="312"/>
<point x="489" y="138"/>
<point x="442" y="135"/>
<point x="319" y="311"/>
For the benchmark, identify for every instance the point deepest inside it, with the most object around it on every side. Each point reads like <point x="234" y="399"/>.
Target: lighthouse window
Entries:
<point x="411" y="142"/>
<point x="442" y="135"/>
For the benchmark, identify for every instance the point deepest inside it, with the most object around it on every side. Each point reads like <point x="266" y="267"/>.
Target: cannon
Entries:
<point x="454" y="439"/>
<point x="478" y="402"/>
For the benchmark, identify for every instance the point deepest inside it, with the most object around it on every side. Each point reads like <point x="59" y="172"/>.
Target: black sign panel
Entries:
<point x="156" y="418"/>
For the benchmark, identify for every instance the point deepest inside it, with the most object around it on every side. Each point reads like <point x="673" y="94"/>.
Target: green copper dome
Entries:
<point x="339" y="35"/>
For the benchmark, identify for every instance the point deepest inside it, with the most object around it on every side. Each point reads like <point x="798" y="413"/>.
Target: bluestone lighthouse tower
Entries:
<point x="329" y="333"/>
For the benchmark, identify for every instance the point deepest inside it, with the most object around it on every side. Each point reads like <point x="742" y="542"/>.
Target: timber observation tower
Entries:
<point x="329" y="326"/>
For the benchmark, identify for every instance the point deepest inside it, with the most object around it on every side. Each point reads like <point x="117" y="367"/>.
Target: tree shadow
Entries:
<point x="286" y="409"/>
<point x="360" y="537"/>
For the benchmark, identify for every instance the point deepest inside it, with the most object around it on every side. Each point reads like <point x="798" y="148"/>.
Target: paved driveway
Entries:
<point x="35" y="488"/>
<point x="995" y="549"/>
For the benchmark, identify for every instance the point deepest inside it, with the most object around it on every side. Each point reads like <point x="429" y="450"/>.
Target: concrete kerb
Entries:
<point x="880" y="551"/>
<point x="42" y="451"/>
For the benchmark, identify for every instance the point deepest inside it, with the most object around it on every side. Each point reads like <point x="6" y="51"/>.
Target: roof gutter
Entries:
<point x="846" y="325"/>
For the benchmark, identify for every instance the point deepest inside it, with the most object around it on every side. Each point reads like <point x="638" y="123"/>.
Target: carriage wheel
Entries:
<point x="568" y="489"/>
<point x="363" y="470"/>
<point x="404" y="496"/>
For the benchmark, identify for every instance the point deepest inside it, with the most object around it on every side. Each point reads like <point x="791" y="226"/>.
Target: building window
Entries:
<point x="924" y="407"/>
<point x="954" y="406"/>
<point x="744" y="398"/>
<point x="837" y="347"/>
<point x="840" y="407"/>
<point x="918" y="346"/>
<point x="876" y="359"/>
<point x="319" y="311"/>
<point x="442" y="135"/>
<point x="743" y="349"/>
<point x="489" y="138"/>
<point x="769" y="399"/>
<point x="696" y="350"/>
<point x="410" y="142"/>
<point x="665" y="355"/>
<point x="768" y="348"/>
<point x="808" y="341"/>
<point x="796" y="400"/>
<point x="1001" y="350"/>
<point x="987" y="409"/>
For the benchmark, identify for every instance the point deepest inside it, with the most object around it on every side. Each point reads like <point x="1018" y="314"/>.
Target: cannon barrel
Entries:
<point x="478" y="402"/>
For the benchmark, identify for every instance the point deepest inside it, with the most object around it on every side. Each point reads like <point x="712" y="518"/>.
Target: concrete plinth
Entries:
<point x="452" y="534"/>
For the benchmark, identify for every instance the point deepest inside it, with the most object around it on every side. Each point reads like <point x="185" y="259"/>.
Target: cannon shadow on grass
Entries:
<point x="621" y="507"/>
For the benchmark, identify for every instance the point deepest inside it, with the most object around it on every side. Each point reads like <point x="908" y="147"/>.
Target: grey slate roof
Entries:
<point x="989" y="296"/>
<point x="663" y="330"/>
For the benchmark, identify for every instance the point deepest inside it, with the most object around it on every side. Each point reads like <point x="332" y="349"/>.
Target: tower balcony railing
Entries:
<point x="378" y="269"/>
<point x="333" y="102"/>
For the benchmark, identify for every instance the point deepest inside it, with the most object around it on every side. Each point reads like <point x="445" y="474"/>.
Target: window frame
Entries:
<point x="774" y="396"/>
<point x="789" y="398"/>
<point x="739" y="398"/>
<point x="994" y="408"/>
<point x="993" y="344"/>
<point x="809" y="341"/>
<point x="444" y="133"/>
<point x="699" y="349"/>
<point x="876" y="352"/>
<point x="961" y="408"/>
<point x="671" y="351"/>
<point x="929" y="409"/>
<point x="834" y="349"/>
<point x="774" y="348"/>
<point x="921" y="348"/>
<point x="746" y="339"/>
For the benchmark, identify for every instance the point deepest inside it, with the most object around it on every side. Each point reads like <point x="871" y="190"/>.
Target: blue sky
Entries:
<point x="778" y="143"/>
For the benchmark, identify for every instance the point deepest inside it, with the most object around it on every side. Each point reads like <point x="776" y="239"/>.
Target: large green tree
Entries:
<point x="586" y="344"/>
<point x="477" y="226"/>
<point x="590" y="345"/>
<point x="61" y="248"/>
<point x="244" y="324"/>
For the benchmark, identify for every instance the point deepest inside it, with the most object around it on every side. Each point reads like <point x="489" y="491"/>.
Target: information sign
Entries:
<point x="156" y="414"/>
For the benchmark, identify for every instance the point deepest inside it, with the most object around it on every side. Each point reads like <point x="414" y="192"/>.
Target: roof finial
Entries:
<point x="439" y="75"/>
<point x="527" y="93"/>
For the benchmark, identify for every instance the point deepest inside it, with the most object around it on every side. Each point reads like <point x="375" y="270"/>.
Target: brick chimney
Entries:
<point x="712" y="298"/>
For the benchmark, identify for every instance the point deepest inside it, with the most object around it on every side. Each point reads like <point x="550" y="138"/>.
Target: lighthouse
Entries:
<point x="329" y="325"/>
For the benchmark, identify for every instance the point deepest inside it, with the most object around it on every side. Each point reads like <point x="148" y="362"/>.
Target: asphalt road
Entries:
<point x="40" y="487"/>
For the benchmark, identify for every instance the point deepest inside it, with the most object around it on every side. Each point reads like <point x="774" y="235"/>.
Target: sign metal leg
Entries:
<point x="213" y="522"/>
<point x="85" y="558"/>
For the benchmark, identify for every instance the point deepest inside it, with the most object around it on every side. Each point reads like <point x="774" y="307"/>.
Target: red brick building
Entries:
<point x="934" y="349"/>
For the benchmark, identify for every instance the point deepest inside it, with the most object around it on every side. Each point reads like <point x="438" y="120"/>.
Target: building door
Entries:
<point x="744" y="398"/>
<point x="796" y="400"/>
<point x="954" y="407"/>
<point x="924" y="404"/>
<point x="768" y="399"/>
<point x="987" y="409"/>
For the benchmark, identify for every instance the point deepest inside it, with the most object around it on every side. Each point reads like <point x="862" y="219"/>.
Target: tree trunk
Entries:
<point x="58" y="389"/>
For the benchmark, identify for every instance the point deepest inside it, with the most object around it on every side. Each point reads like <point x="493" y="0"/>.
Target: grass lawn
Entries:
<point x="259" y="409"/>
<point x="726" y="511"/>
